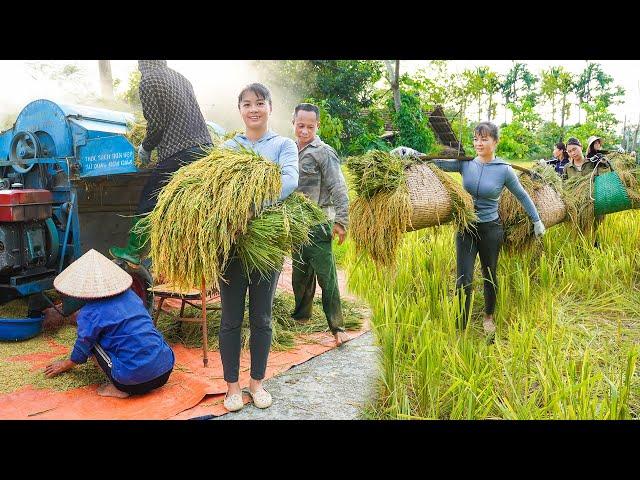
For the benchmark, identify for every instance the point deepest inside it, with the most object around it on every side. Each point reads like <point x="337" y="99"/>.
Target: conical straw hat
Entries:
<point x="92" y="276"/>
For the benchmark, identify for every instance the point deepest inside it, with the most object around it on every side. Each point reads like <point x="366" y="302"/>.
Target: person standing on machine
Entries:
<point x="175" y="127"/>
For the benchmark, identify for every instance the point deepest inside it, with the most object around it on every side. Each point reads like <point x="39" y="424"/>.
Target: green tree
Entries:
<point x="413" y="124"/>
<point x="518" y="139"/>
<point x="346" y="86"/>
<point x="518" y="82"/>
<point x="566" y="85"/>
<point x="132" y="93"/>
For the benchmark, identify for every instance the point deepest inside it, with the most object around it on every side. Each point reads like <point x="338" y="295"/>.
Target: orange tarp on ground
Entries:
<point x="187" y="387"/>
<point x="192" y="389"/>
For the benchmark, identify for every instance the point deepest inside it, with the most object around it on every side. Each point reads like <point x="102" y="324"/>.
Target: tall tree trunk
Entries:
<point x="106" y="79"/>
<point x="553" y="110"/>
<point x="635" y="135"/>
<point x="394" y="81"/>
<point x="479" y="107"/>
<point x="564" y="109"/>
<point x="625" y="142"/>
<point x="489" y="109"/>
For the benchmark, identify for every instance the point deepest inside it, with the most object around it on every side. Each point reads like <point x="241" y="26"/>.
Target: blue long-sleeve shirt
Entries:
<point x="278" y="149"/>
<point x="122" y="326"/>
<point x="485" y="182"/>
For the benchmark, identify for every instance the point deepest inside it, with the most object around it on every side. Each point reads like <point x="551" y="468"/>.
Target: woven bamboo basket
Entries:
<point x="430" y="200"/>
<point x="550" y="205"/>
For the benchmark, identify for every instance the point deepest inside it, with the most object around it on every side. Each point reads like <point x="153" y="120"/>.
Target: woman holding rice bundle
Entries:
<point x="254" y="104"/>
<point x="484" y="178"/>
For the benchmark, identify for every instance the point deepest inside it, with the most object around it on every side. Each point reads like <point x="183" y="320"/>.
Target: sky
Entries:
<point x="217" y="83"/>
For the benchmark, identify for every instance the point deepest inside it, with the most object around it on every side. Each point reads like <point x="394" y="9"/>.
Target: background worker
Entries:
<point x="255" y="107"/>
<point x="321" y="180"/>
<point x="560" y="158"/>
<point x="175" y="127"/>
<point x="115" y="327"/>
<point x="578" y="165"/>
<point x="484" y="178"/>
<point x="594" y="147"/>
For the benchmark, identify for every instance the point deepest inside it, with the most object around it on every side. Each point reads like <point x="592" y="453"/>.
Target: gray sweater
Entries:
<point x="485" y="182"/>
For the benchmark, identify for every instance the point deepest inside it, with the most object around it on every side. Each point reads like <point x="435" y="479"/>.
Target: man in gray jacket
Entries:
<point x="321" y="180"/>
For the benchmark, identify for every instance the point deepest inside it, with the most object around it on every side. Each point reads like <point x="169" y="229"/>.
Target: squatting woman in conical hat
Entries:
<point x="484" y="178"/>
<point x="113" y="326"/>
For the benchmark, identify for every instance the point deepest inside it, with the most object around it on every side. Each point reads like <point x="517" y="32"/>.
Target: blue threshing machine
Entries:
<point x="68" y="183"/>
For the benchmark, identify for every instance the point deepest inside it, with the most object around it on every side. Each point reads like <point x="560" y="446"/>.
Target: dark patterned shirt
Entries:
<point x="174" y="119"/>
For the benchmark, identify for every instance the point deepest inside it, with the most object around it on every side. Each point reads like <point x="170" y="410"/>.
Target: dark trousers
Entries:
<point x="105" y="364"/>
<point x="485" y="241"/>
<point x="233" y="293"/>
<point x="161" y="175"/>
<point x="317" y="261"/>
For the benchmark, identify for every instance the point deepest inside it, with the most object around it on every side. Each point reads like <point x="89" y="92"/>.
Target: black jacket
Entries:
<point x="174" y="119"/>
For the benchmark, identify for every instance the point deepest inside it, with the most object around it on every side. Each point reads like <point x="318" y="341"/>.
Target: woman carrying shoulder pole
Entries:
<point x="483" y="178"/>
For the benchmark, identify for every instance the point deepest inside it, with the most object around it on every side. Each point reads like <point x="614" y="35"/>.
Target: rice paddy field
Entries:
<point x="568" y="328"/>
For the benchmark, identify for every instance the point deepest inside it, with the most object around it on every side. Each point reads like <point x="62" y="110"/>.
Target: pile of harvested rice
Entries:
<point x="203" y="214"/>
<point x="579" y="193"/>
<point x="286" y="330"/>
<point x="518" y="227"/>
<point x="382" y="211"/>
<point x="136" y="134"/>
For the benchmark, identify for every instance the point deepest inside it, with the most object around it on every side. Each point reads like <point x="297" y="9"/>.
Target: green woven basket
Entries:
<point x="610" y="195"/>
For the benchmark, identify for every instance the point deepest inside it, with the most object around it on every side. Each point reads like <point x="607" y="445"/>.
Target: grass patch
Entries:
<point x="567" y="329"/>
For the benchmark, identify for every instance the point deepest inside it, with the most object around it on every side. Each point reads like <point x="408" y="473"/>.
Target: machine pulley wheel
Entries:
<point x="24" y="145"/>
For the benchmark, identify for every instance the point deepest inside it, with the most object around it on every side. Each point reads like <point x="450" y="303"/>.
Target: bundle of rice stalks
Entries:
<point x="203" y="213"/>
<point x="378" y="223"/>
<point x="385" y="207"/>
<point x="580" y="207"/>
<point x="518" y="227"/>
<point x="273" y="233"/>
<point x="580" y="193"/>
<point x="377" y="171"/>
<point x="218" y="139"/>
<point x="136" y="134"/>
<point x="621" y="161"/>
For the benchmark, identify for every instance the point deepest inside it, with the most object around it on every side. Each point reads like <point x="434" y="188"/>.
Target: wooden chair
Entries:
<point x="187" y="297"/>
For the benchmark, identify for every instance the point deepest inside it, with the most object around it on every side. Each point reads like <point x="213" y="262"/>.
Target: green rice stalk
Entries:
<point x="273" y="234"/>
<point x="621" y="161"/>
<point x="203" y="210"/>
<point x="136" y="134"/>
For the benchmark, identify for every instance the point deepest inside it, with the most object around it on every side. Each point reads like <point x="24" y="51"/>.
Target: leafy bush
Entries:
<point x="413" y="125"/>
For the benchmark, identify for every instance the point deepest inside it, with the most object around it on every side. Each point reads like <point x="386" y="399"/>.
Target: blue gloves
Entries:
<point x="538" y="228"/>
